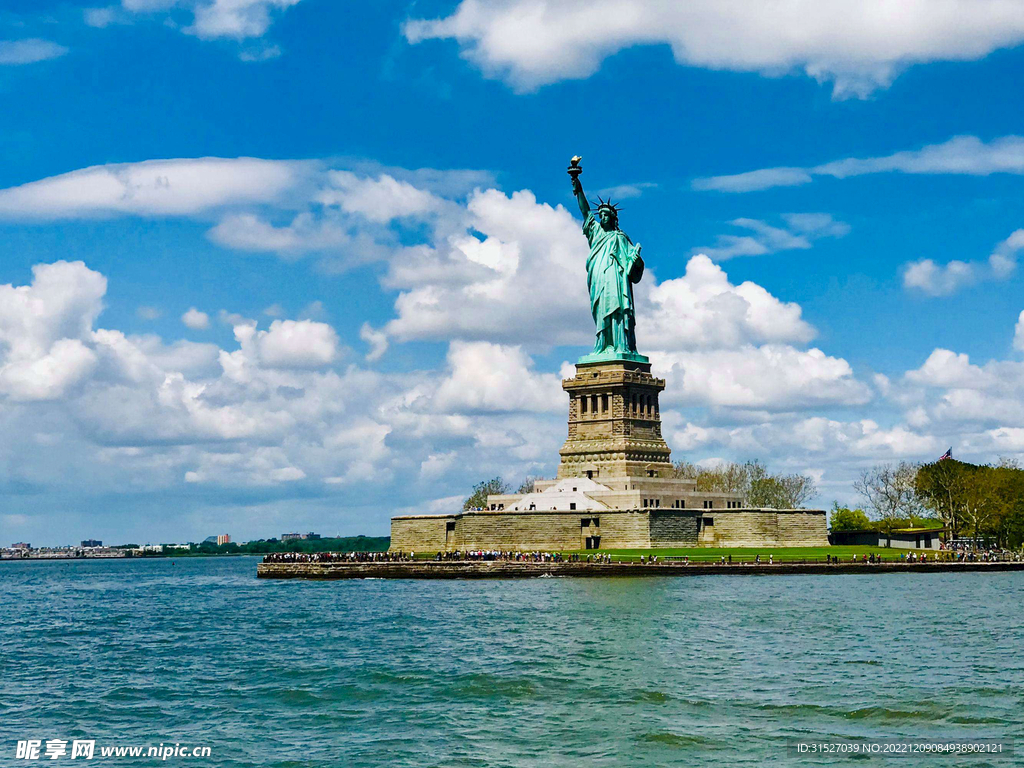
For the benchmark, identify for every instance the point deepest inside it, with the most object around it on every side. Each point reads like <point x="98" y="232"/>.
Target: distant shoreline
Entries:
<point x="502" y="569"/>
<point x="131" y="557"/>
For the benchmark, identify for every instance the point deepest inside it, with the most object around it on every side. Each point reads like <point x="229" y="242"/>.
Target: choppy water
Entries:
<point x="687" y="671"/>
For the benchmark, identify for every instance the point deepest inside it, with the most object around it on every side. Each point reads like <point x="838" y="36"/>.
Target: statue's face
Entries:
<point x="607" y="218"/>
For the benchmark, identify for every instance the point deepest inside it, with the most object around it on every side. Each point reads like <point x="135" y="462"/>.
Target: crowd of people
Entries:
<point x="912" y="556"/>
<point x="337" y="557"/>
<point x="520" y="557"/>
<point x="965" y="554"/>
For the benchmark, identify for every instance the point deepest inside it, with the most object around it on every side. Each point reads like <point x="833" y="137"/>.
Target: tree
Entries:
<point x="889" y="491"/>
<point x="846" y="519"/>
<point x="752" y="481"/>
<point x="941" y="487"/>
<point x="1007" y="523"/>
<point x="773" y="491"/>
<point x="527" y="485"/>
<point x="981" y="494"/>
<point x="478" y="499"/>
<point x="721" y="478"/>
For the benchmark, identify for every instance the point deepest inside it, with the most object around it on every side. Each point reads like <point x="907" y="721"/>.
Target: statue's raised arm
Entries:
<point x="577" y="185"/>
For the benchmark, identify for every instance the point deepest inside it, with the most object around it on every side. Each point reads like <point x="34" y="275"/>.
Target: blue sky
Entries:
<point x="270" y="265"/>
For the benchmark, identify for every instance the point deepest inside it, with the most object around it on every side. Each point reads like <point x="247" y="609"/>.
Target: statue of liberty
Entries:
<point x="613" y="266"/>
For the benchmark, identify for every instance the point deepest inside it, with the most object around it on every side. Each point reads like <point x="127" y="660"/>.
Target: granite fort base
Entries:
<point x="614" y="488"/>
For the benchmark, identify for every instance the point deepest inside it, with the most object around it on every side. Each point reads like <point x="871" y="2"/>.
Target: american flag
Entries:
<point x="947" y="455"/>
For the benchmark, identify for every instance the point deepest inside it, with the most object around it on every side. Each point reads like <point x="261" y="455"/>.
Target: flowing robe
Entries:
<point x="613" y="266"/>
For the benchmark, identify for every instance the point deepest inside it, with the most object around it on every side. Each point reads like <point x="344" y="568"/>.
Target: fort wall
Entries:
<point x="608" y="529"/>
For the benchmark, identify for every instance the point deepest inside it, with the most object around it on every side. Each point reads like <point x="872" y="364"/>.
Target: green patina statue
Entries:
<point x="613" y="266"/>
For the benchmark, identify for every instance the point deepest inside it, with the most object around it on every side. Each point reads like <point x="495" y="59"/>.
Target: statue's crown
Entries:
<point x="608" y="205"/>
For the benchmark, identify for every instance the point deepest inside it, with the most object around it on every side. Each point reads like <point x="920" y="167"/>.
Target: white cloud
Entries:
<point x="13" y="52"/>
<point x="927" y="276"/>
<point x="155" y="188"/>
<point x="1018" y="333"/>
<point x="378" y="199"/>
<point x="105" y="16"/>
<point x="626" y="191"/>
<point x="800" y="231"/>
<point x="211" y="19"/>
<point x="753" y="181"/>
<point x="492" y="377"/>
<point x="859" y="47"/>
<point x="770" y="377"/>
<point x="196" y="320"/>
<point x="377" y="340"/>
<point x="248" y="232"/>
<point x="702" y="309"/>
<point x="946" y="369"/>
<point x="436" y="464"/>
<point x="942" y="280"/>
<point x="966" y="155"/>
<point x="148" y="313"/>
<point x="297" y="344"/>
<point x="44" y="327"/>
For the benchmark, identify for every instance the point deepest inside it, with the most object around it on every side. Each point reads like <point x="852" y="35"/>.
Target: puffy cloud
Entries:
<point x="29" y="51"/>
<point x="519" y="279"/>
<point x="859" y="47"/>
<point x="155" y="188"/>
<point x="935" y="280"/>
<point x="298" y="344"/>
<point x="196" y="320"/>
<point x="292" y="343"/>
<point x="44" y="327"/>
<point x="967" y="155"/>
<point x="951" y="395"/>
<point x="941" y="280"/>
<point x="378" y="199"/>
<point x="770" y="377"/>
<point x="703" y="309"/>
<point x="491" y="377"/>
<point x="801" y="229"/>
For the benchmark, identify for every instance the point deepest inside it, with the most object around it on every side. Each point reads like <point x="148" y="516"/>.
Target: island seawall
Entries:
<point x="503" y="569"/>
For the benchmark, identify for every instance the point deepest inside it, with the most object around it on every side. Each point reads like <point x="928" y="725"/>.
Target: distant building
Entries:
<point x="299" y="536"/>
<point x="223" y="539"/>
<point x="210" y="540"/>
<point x="92" y="543"/>
<point x="21" y="545"/>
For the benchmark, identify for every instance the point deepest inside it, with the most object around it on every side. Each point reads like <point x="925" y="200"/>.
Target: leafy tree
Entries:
<point x="941" y="487"/>
<point x="777" y="491"/>
<point x="846" y="519"/>
<point x="752" y="481"/>
<point x="478" y="499"/>
<point x="889" y="490"/>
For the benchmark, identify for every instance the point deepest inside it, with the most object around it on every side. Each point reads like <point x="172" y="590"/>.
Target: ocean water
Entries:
<point x="693" y="671"/>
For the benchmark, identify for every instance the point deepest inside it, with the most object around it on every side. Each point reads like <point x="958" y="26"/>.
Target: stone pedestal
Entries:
<point x="614" y="422"/>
